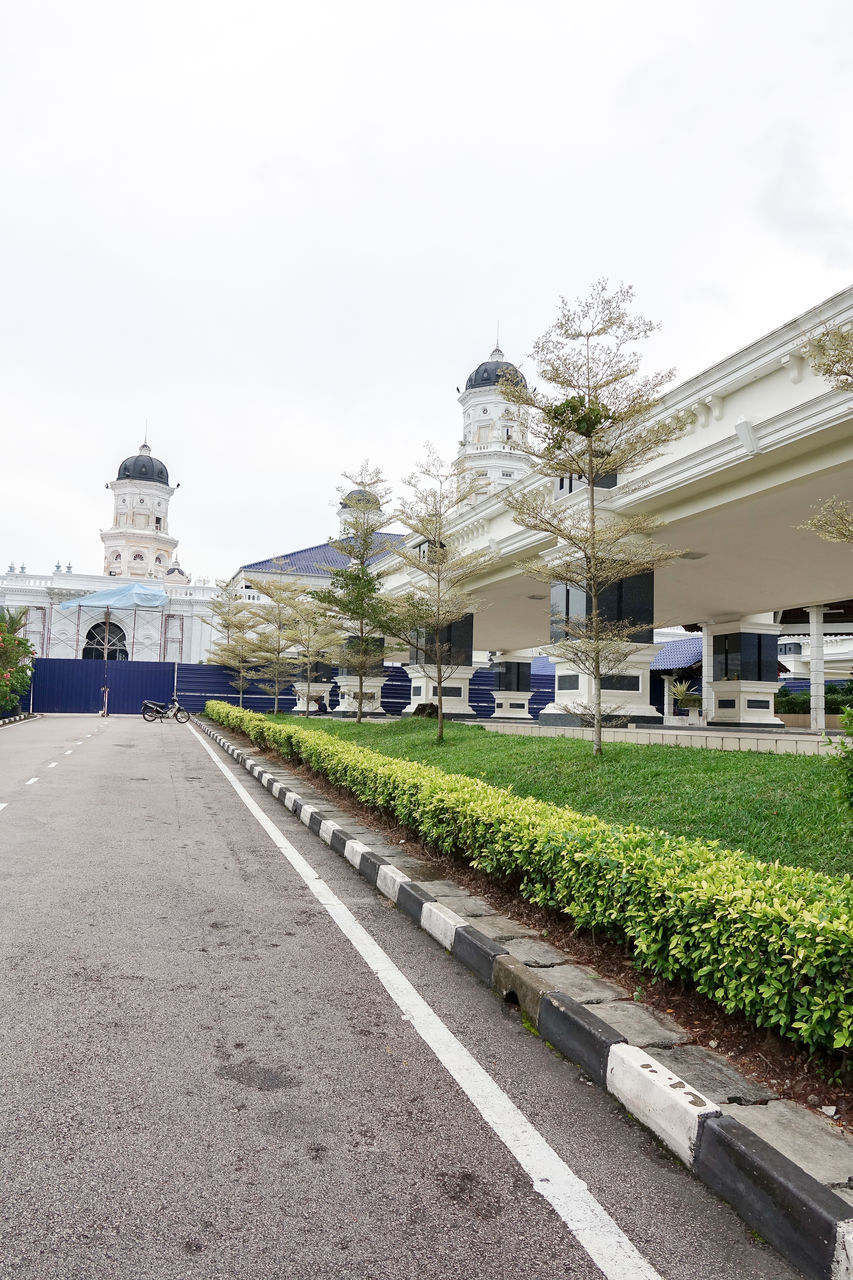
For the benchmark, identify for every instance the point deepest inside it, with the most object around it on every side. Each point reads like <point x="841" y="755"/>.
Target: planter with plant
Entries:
<point x="688" y="699"/>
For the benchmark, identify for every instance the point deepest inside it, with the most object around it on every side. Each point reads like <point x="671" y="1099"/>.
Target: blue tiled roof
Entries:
<point x="320" y="560"/>
<point x="677" y="654"/>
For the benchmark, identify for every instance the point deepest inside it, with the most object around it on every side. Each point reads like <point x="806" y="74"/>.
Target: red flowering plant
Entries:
<point x="16" y="661"/>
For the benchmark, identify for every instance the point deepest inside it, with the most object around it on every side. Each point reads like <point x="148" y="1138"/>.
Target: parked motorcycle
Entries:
<point x="152" y="711"/>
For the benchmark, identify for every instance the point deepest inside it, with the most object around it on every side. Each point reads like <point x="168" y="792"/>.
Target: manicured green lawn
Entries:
<point x="770" y="806"/>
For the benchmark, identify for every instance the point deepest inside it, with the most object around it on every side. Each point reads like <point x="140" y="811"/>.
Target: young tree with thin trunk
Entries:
<point x="353" y="595"/>
<point x="234" y="646"/>
<point x="312" y="636"/>
<point x="593" y="424"/>
<point x="270" y="618"/>
<point x="438" y="597"/>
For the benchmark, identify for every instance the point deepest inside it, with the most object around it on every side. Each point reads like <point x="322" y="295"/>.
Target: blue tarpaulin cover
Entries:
<point x="133" y="595"/>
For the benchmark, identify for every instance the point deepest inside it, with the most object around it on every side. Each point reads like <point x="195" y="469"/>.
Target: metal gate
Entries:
<point x="88" y="686"/>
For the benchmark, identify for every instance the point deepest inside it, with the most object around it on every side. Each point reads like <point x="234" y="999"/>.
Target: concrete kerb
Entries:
<point x="17" y="719"/>
<point x="803" y="1219"/>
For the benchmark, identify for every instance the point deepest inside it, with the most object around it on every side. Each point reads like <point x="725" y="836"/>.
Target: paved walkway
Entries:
<point x="202" y="1077"/>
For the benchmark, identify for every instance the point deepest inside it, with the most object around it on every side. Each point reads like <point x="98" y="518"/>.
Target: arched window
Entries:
<point x="138" y="557"/>
<point x="116" y="643"/>
<point x="117" y="556"/>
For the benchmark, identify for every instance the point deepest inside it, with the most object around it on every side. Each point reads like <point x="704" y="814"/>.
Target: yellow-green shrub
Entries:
<point x="772" y="942"/>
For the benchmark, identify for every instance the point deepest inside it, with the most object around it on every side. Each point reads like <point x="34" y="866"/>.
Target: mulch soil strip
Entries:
<point x="757" y="1053"/>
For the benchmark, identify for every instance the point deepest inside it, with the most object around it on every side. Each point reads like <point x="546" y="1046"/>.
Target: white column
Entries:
<point x="707" y="672"/>
<point x="816" y="668"/>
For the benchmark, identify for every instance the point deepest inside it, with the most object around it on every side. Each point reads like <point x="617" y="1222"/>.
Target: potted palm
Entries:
<point x="689" y="699"/>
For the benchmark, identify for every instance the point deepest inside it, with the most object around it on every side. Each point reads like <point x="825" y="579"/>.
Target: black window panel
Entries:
<point x="631" y="599"/>
<point x="565" y="683"/>
<point x="448" y="691"/>
<point x="372" y="647"/>
<point x="514" y="677"/>
<point x="559" y="610"/>
<point x="566" y="602"/>
<point x="750" y="655"/>
<point x="606" y="482"/>
<point x="758" y="704"/>
<point x="456" y="644"/>
<point x="768" y="666"/>
<point x="726" y="703"/>
<point x="746" y="655"/>
<point x="627" y="684"/>
<point x="727" y="661"/>
<point x="321" y="671"/>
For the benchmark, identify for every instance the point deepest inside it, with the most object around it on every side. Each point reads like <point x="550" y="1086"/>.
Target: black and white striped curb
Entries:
<point x="16" y="719"/>
<point x="802" y="1217"/>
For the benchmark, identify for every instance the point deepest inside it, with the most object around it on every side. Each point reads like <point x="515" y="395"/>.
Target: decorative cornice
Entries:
<point x="781" y="348"/>
<point x="748" y="438"/>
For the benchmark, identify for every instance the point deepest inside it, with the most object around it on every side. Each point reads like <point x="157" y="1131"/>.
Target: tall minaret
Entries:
<point x="138" y="545"/>
<point x="492" y="428"/>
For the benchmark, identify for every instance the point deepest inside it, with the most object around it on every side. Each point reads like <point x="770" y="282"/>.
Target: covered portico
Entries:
<point x="767" y="440"/>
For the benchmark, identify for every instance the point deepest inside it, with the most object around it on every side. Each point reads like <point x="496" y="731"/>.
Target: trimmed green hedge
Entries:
<point x="774" y="943"/>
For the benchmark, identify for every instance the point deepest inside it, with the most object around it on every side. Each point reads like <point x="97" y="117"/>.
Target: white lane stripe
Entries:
<point x="4" y="803"/>
<point x="69" y="752"/>
<point x="29" y="782"/>
<point x="79" y="744"/>
<point x="608" y="1246"/>
<point x="53" y="765"/>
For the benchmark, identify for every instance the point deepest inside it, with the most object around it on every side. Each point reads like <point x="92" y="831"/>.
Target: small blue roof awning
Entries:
<point x="676" y="654"/>
<point x="133" y="595"/>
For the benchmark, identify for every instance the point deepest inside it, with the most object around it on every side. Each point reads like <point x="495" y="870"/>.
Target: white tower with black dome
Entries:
<point x="139" y="544"/>
<point x="492" y="429"/>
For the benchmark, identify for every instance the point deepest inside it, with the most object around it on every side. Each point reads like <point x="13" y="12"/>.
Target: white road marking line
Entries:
<point x="69" y="752"/>
<point x="29" y="782"/>
<point x="53" y="765"/>
<point x="593" y="1228"/>
<point x="79" y="744"/>
<point x="4" y="804"/>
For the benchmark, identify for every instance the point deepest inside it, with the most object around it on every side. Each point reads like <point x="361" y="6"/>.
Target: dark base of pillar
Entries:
<point x="608" y="722"/>
<point x="448" y="715"/>
<point x="744" y="725"/>
<point x="365" y="715"/>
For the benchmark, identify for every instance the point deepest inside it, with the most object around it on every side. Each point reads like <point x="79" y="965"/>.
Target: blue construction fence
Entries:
<point x="81" y="686"/>
<point x="803" y="685"/>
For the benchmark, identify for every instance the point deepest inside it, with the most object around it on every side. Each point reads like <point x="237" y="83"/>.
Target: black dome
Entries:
<point x="360" y="498"/>
<point x="143" y="467"/>
<point x="488" y="374"/>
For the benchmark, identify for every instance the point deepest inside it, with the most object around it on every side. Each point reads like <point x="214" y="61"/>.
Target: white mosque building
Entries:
<point x="767" y="439"/>
<point x="165" y="617"/>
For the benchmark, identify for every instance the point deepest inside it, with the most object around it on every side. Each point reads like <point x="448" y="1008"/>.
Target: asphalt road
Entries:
<point x="200" y="1077"/>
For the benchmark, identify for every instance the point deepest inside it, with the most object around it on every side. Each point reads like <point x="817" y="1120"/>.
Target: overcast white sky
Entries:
<point x="284" y="233"/>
